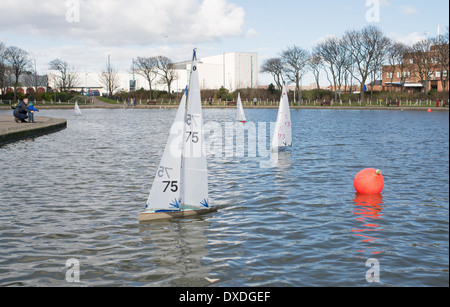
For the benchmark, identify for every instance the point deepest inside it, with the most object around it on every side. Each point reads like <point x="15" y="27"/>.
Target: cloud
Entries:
<point x="251" y="33"/>
<point x="94" y="58"/>
<point x="409" y="39"/>
<point x="385" y="3"/>
<point x="407" y="9"/>
<point x="118" y="23"/>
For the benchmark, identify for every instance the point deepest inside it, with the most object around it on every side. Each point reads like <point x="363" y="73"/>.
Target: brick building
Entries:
<point x="28" y="84"/>
<point x="418" y="72"/>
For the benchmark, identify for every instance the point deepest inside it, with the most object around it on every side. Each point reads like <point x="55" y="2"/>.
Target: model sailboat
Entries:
<point x="180" y="187"/>
<point x="240" y="110"/>
<point x="282" y="136"/>
<point x="77" y="109"/>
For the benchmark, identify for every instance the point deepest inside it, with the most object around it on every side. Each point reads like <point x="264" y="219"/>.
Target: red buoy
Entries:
<point x="369" y="181"/>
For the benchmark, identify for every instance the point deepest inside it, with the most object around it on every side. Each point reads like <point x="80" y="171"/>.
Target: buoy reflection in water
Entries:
<point x="368" y="209"/>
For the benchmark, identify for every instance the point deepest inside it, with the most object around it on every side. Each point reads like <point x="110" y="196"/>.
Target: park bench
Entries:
<point x="325" y="103"/>
<point x="392" y="103"/>
<point x="231" y="103"/>
<point x="151" y="102"/>
<point x="440" y="104"/>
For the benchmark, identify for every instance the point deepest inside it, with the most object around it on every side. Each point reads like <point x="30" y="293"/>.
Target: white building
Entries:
<point x="231" y="70"/>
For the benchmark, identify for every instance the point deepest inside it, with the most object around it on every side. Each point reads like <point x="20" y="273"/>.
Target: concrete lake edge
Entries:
<point x="10" y="131"/>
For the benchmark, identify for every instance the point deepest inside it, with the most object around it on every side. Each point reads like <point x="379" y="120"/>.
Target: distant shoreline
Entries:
<point x="165" y="106"/>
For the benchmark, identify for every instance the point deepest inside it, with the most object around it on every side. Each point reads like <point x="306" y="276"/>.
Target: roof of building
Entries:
<point x="413" y="85"/>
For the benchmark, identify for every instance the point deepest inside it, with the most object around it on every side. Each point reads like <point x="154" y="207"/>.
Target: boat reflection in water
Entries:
<point x="368" y="210"/>
<point x="174" y="253"/>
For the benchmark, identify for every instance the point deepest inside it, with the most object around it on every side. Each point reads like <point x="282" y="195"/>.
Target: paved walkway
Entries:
<point x="11" y="131"/>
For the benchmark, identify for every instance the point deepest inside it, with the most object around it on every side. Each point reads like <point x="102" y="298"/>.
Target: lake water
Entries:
<point x="74" y="196"/>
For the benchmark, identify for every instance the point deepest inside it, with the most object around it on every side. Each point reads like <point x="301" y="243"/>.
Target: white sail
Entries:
<point x="240" y="110"/>
<point x="77" y="109"/>
<point x="194" y="173"/>
<point x="165" y="192"/>
<point x="282" y="136"/>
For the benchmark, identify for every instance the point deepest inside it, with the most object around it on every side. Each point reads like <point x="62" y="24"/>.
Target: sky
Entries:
<point x="85" y="32"/>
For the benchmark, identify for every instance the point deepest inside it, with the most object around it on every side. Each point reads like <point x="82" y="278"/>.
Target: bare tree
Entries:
<point x="146" y="67"/>
<point x="365" y="47"/>
<point x="74" y="79"/>
<point x="18" y="60"/>
<point x="109" y="78"/>
<point x="424" y="61"/>
<point x="166" y="71"/>
<point x="396" y="58"/>
<point x="2" y="67"/>
<point x="295" y="61"/>
<point x="336" y="57"/>
<point x="31" y="79"/>
<point x="62" y="67"/>
<point x="376" y="66"/>
<point x="67" y="77"/>
<point x="316" y="64"/>
<point x="274" y="66"/>
<point x="442" y="58"/>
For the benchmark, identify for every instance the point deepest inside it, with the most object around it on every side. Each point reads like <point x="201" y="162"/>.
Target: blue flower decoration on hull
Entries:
<point x="174" y="204"/>
<point x="204" y="203"/>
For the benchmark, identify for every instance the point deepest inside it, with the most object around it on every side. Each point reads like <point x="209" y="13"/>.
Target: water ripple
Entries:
<point x="295" y="223"/>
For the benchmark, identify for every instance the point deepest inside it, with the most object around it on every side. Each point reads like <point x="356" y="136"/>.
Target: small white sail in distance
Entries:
<point x="240" y="110"/>
<point x="282" y="136"/>
<point x="165" y="192"/>
<point x="194" y="173"/>
<point x="77" y="109"/>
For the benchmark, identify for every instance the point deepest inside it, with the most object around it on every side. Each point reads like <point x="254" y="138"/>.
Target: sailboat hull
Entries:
<point x="282" y="148"/>
<point x="154" y="216"/>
